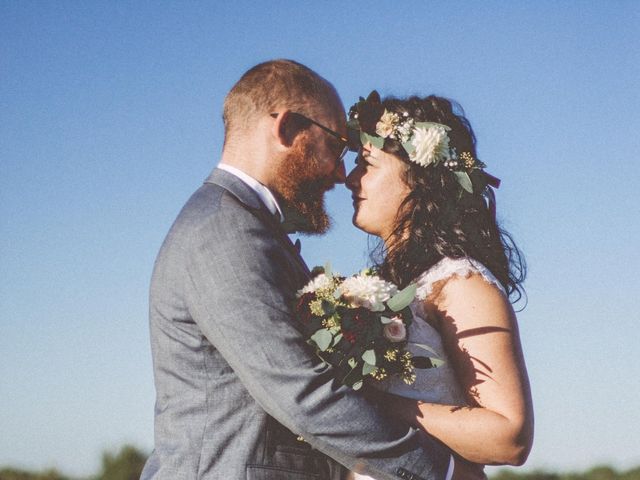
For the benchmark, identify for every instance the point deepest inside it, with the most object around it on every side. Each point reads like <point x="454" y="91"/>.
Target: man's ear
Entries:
<point x="285" y="128"/>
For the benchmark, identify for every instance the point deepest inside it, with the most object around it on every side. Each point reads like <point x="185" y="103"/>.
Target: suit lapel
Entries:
<point x="250" y="199"/>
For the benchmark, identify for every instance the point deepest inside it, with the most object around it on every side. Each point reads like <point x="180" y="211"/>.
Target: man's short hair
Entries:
<point x="273" y="84"/>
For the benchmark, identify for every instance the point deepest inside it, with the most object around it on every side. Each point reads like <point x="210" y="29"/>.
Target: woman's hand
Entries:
<point x="408" y="410"/>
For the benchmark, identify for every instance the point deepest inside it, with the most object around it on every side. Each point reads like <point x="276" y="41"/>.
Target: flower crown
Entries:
<point x="426" y="143"/>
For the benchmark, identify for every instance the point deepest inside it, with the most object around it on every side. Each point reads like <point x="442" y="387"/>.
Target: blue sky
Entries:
<point x="110" y="118"/>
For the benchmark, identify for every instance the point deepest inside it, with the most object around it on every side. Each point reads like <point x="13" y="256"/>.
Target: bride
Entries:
<point x="418" y="185"/>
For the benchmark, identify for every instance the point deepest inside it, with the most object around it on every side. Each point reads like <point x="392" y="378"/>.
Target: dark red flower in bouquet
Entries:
<point x="357" y="323"/>
<point x="303" y="307"/>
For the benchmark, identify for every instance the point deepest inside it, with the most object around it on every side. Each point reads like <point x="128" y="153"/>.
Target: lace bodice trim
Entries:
<point x="449" y="267"/>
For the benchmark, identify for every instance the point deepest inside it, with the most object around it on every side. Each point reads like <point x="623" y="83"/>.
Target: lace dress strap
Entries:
<point x="448" y="267"/>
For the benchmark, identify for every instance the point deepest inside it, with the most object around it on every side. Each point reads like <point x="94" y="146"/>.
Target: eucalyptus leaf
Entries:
<point x="403" y="298"/>
<point x="385" y="320"/>
<point x="437" y="362"/>
<point x="374" y="140"/>
<point x="357" y="385"/>
<point x="425" y="347"/>
<point x="368" y="369"/>
<point x="322" y="338"/>
<point x="369" y="357"/>
<point x="352" y="362"/>
<point x="464" y="181"/>
<point x="337" y="339"/>
<point x="408" y="147"/>
<point x="378" y="142"/>
<point x="327" y="269"/>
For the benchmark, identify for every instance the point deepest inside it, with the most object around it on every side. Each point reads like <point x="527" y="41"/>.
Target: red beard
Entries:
<point x="302" y="188"/>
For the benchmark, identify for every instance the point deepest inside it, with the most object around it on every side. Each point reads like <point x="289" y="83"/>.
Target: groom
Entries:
<point x="240" y="395"/>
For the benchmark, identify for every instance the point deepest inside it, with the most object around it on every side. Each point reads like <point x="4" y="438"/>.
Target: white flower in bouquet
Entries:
<point x="367" y="291"/>
<point x="319" y="282"/>
<point x="431" y="145"/>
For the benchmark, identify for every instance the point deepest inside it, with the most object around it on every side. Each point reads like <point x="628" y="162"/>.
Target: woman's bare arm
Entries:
<point x="480" y="333"/>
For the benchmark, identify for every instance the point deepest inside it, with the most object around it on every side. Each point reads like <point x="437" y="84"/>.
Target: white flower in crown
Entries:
<point x="431" y="145"/>
<point x="367" y="291"/>
<point x="387" y="123"/>
<point x="319" y="282"/>
<point x="405" y="130"/>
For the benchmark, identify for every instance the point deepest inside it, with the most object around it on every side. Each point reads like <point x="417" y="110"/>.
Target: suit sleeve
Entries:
<point x="241" y="299"/>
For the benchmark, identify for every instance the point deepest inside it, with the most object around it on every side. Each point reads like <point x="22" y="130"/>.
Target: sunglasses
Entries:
<point x="347" y="145"/>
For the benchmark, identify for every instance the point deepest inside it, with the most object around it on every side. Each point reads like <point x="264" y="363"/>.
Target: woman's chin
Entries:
<point x="360" y="226"/>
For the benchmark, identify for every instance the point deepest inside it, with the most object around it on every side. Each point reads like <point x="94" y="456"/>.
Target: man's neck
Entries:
<point x="251" y="156"/>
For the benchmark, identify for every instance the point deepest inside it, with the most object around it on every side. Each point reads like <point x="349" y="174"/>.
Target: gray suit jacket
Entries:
<point x="237" y="385"/>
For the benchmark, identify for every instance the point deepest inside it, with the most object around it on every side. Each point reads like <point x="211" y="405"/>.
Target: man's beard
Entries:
<point x="302" y="190"/>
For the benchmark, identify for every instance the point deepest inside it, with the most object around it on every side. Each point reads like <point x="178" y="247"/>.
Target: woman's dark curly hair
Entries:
<point x="437" y="219"/>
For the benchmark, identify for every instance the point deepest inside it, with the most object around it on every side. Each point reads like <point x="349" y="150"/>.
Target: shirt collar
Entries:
<point x="263" y="192"/>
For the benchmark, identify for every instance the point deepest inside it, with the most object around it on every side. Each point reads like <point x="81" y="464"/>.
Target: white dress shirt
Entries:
<point x="263" y="192"/>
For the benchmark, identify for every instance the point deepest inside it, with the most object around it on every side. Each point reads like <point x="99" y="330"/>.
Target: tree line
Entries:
<point x="127" y="464"/>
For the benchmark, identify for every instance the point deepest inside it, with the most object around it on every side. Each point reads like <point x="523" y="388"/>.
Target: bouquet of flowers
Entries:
<point x="359" y="325"/>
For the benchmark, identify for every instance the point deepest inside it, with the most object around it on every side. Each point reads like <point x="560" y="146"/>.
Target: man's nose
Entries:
<point x="340" y="173"/>
<point x="350" y="181"/>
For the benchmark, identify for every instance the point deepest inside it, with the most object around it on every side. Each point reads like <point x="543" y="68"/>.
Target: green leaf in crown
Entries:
<point x="464" y="181"/>
<point x="374" y="140"/>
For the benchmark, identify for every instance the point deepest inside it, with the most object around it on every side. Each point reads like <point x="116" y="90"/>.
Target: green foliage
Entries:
<point x="633" y="474"/>
<point x="595" y="473"/>
<point x="127" y="464"/>
<point x="15" y="474"/>
<point x="464" y="181"/>
<point x="322" y="339"/>
<point x="403" y="298"/>
<point x="370" y="357"/>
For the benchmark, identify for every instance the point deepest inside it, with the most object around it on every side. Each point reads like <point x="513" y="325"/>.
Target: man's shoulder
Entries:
<point x="215" y="214"/>
<point x="212" y="204"/>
